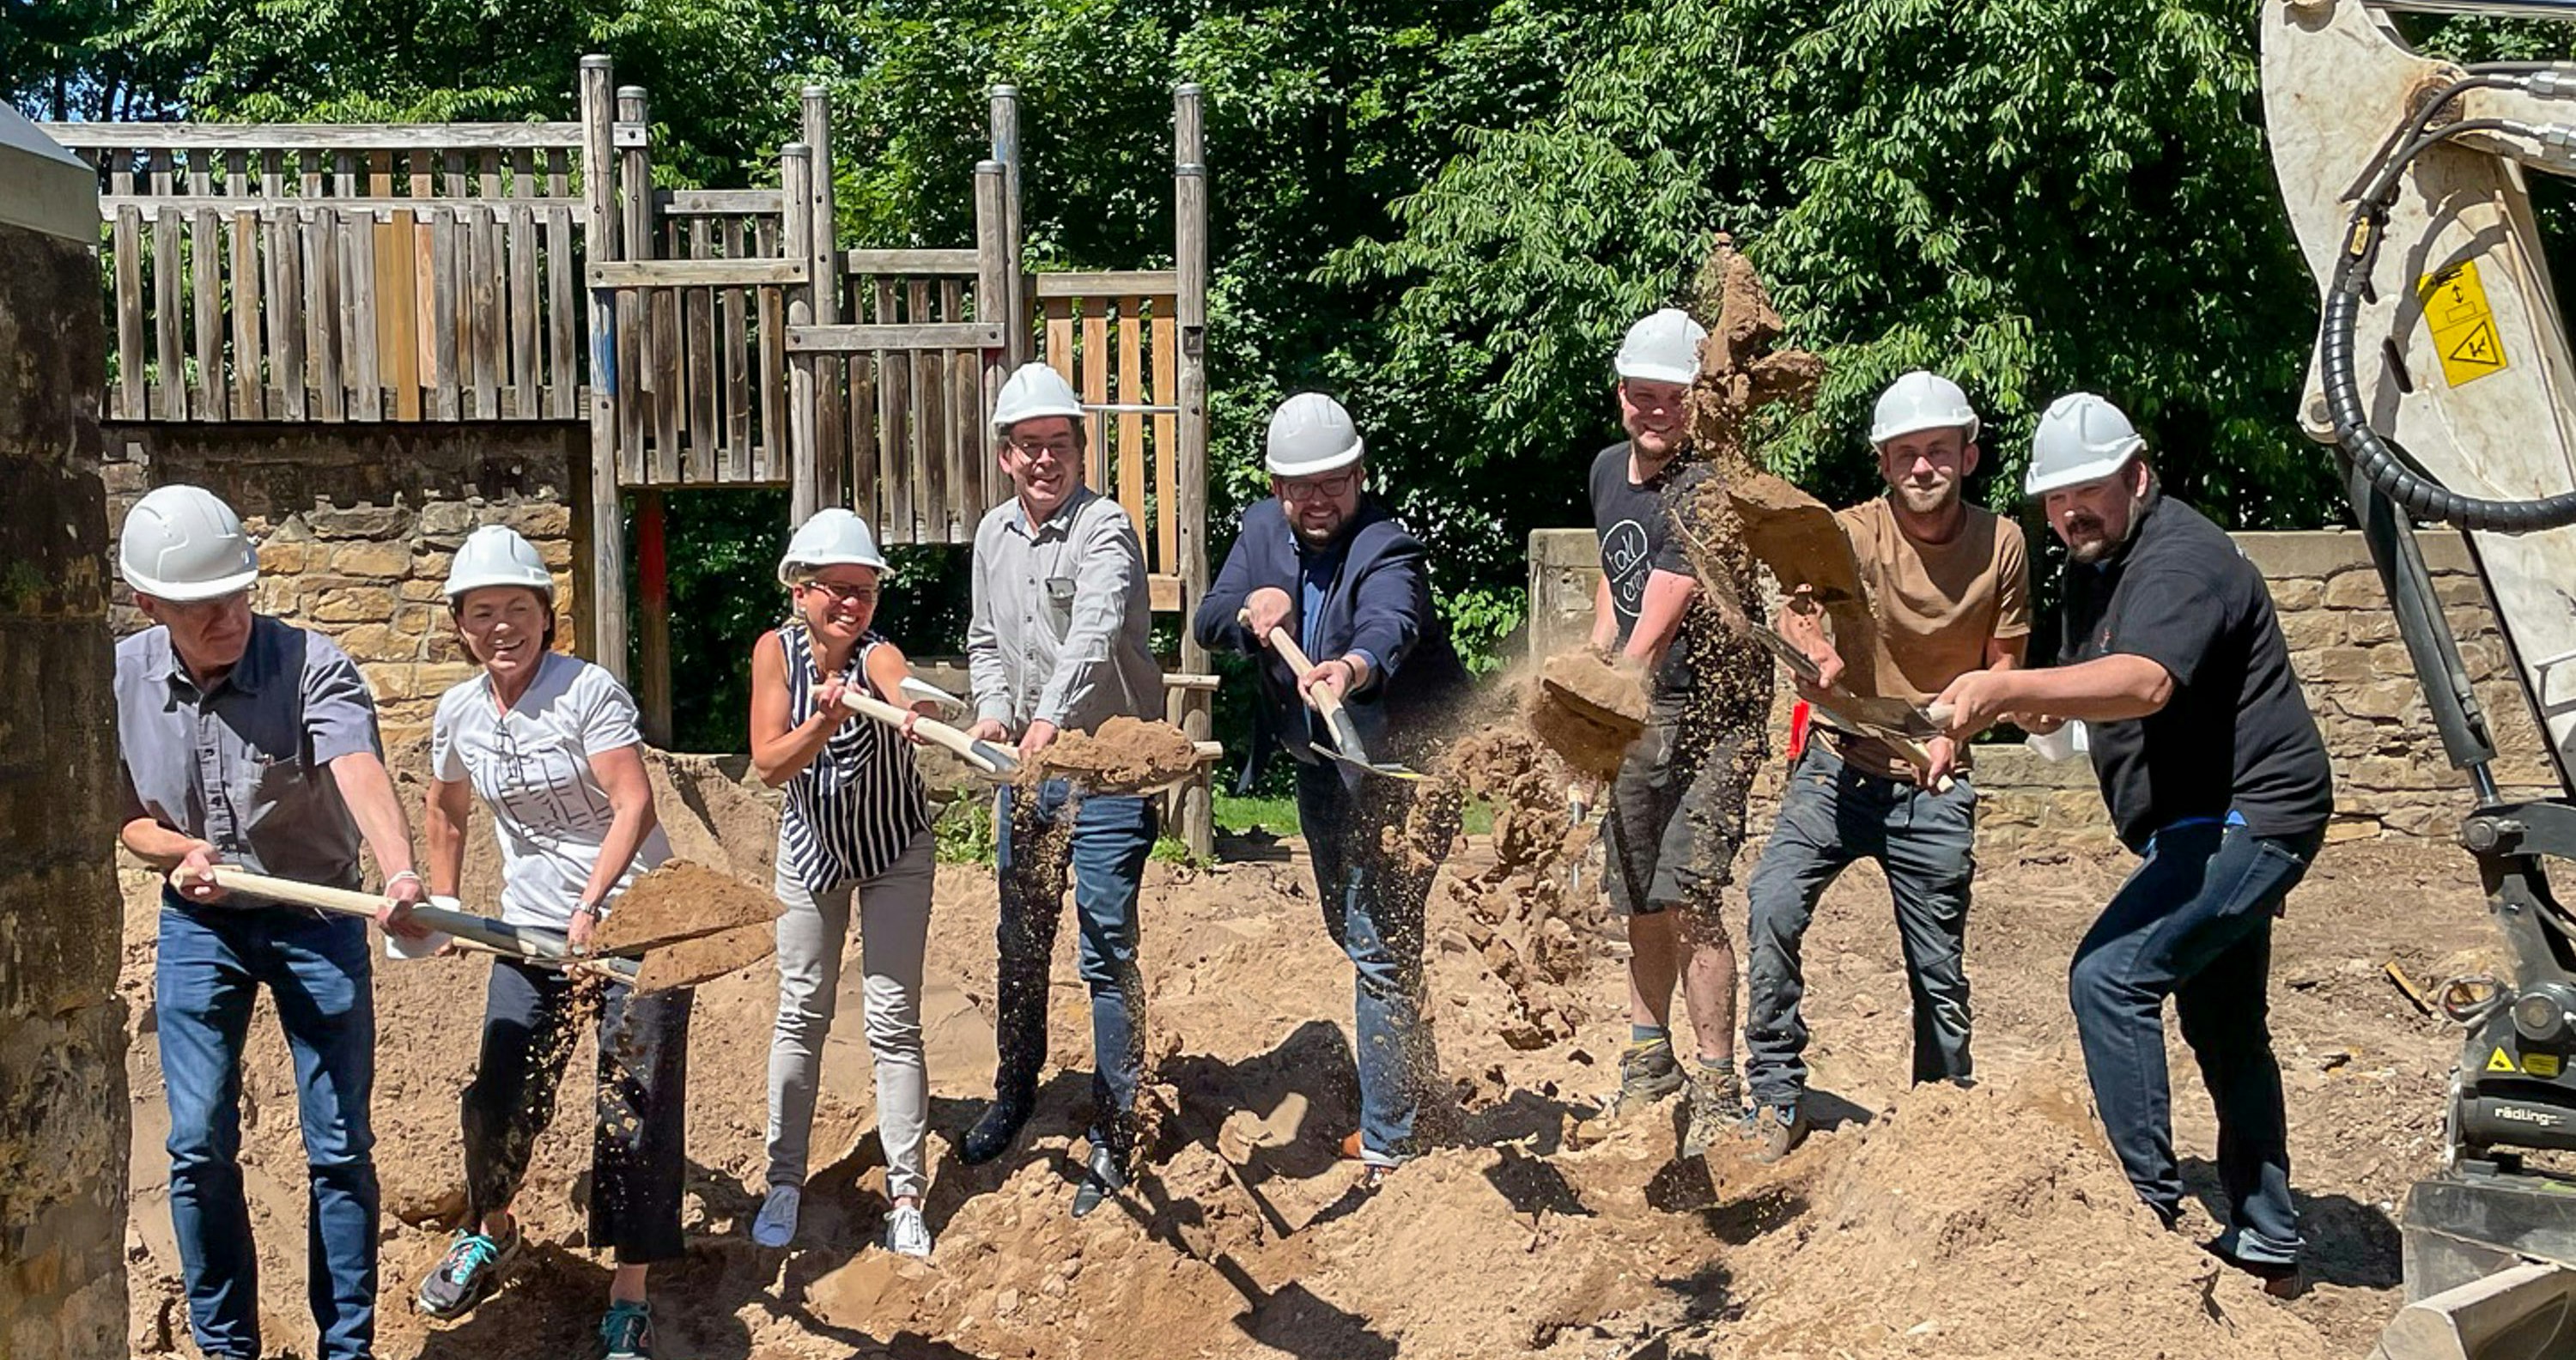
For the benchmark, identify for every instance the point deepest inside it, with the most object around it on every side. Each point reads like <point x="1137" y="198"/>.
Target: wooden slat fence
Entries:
<point x="916" y="442"/>
<point x="294" y="272"/>
<point x="1113" y="335"/>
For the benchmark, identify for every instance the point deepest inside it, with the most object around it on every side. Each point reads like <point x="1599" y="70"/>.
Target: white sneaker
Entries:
<point x="776" y="1225"/>
<point x="906" y="1232"/>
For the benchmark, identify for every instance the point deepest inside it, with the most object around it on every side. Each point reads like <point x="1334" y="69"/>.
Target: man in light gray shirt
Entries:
<point x="1059" y="641"/>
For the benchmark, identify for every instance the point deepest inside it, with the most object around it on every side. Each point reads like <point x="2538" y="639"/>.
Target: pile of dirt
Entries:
<point x="1126" y="754"/>
<point x="1957" y="1225"/>
<point x="1995" y="1221"/>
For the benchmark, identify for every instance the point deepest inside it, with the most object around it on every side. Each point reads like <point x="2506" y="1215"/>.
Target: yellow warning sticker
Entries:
<point x="2540" y="1064"/>
<point x="2464" y="336"/>
<point x="2500" y="1062"/>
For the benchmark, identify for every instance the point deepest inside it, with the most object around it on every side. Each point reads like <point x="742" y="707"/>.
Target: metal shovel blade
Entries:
<point x="1364" y="766"/>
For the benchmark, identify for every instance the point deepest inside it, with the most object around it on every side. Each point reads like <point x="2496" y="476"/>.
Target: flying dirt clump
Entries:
<point x="1126" y="753"/>
<point x="1515" y="910"/>
<point x="1588" y="710"/>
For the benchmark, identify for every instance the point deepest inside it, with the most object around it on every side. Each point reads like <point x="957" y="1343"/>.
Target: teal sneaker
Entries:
<point x="627" y="1331"/>
<point x="467" y="1274"/>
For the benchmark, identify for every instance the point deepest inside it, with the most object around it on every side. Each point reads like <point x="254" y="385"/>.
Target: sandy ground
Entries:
<point x="1982" y="1223"/>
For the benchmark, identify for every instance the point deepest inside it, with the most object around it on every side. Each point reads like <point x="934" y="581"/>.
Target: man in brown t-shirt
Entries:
<point x="1949" y="587"/>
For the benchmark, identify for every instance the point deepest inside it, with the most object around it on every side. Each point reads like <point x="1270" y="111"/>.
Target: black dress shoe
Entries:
<point x="994" y="1131"/>
<point x="1102" y="1179"/>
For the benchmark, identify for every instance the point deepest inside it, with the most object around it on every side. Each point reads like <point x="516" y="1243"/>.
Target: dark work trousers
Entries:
<point x="1830" y="816"/>
<point x="639" y="1142"/>
<point x="1104" y="840"/>
<point x="1373" y="908"/>
<point x="1676" y="813"/>
<point x="2194" y="922"/>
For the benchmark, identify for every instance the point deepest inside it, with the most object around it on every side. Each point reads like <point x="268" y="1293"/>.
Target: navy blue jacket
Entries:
<point x="1378" y="601"/>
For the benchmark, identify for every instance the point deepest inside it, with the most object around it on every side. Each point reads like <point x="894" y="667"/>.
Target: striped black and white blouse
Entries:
<point x="851" y="812"/>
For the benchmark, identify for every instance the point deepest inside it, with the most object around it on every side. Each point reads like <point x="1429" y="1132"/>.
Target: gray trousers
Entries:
<point x="894" y="930"/>
<point x="1831" y="815"/>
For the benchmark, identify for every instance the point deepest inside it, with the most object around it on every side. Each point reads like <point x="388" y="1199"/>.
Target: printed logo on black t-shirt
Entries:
<point x="1625" y="555"/>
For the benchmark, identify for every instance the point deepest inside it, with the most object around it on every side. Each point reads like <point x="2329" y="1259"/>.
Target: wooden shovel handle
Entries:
<point x="1326" y="702"/>
<point x="983" y="755"/>
<point x="482" y="930"/>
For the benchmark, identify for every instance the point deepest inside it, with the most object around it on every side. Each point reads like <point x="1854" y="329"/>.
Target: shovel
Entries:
<point x="662" y="965"/>
<point x="1337" y="719"/>
<point x="987" y="760"/>
<point x="1900" y="724"/>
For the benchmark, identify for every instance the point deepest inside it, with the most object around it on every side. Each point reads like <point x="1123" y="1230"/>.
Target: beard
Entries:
<point x="1926" y="500"/>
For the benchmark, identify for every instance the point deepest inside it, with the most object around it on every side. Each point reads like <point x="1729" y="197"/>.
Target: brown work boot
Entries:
<point x="1716" y="1103"/>
<point x="1648" y="1072"/>
<point x="1776" y="1130"/>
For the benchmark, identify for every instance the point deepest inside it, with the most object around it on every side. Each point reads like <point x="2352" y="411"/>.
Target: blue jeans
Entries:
<point x="319" y="971"/>
<point x="1831" y="815"/>
<point x="1373" y="906"/>
<point x="2194" y="922"/>
<point x="1106" y="847"/>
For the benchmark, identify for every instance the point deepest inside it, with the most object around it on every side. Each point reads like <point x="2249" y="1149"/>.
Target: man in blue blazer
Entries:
<point x="1334" y="568"/>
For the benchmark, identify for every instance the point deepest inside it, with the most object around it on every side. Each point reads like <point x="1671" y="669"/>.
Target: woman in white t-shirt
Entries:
<point x="856" y="825"/>
<point x="549" y="742"/>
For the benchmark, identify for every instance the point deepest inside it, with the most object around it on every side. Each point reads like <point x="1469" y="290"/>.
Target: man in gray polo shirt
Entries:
<point x="1060" y="640"/>
<point x="248" y="742"/>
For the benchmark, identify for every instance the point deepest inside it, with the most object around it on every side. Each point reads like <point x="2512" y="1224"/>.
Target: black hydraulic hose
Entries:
<point x="2380" y="460"/>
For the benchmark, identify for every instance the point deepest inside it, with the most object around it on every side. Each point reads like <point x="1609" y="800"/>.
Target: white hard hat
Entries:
<point x="834" y="537"/>
<point x="1920" y="401"/>
<point x="1662" y="348"/>
<point x="182" y="543"/>
<point x="2081" y="438"/>
<point x="495" y="555"/>
<point x="1311" y="434"/>
<point x="1034" y="390"/>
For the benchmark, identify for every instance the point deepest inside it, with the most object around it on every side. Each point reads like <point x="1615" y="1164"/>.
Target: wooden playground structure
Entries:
<point x="531" y="272"/>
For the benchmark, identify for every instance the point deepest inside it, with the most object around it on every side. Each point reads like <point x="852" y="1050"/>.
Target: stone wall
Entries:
<point x="2391" y="776"/>
<point x="357" y="526"/>
<point x="63" y="1106"/>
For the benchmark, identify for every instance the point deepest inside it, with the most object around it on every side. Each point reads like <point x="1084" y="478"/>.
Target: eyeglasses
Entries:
<point x="1318" y="488"/>
<point x="206" y="608"/>
<point x="842" y="594"/>
<point x="1063" y="449"/>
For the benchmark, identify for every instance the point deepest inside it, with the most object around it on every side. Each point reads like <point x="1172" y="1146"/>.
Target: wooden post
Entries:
<point x="638" y="356"/>
<point x="992" y="299"/>
<point x="605" y="593"/>
<point x="1189" y="261"/>
<point x="795" y="175"/>
<point x="653" y="618"/>
<point x="1006" y="149"/>
<point x="823" y="270"/>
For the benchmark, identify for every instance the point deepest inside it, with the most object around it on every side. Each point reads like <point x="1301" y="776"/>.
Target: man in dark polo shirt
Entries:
<point x="2214" y="774"/>
<point x="248" y="742"/>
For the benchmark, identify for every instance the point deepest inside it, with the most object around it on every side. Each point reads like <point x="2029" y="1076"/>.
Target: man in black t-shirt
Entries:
<point x="2214" y="773"/>
<point x="1675" y="814"/>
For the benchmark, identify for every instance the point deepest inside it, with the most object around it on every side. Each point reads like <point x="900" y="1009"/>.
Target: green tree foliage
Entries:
<point x="1446" y="213"/>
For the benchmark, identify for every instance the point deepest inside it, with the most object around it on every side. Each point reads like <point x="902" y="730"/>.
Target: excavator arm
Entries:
<point x="2443" y="380"/>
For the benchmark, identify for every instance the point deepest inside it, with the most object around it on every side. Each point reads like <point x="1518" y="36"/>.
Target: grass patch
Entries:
<point x="1237" y="816"/>
<point x="1278" y="815"/>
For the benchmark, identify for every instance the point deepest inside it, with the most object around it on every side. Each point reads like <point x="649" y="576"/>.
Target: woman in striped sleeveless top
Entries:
<point x="856" y="826"/>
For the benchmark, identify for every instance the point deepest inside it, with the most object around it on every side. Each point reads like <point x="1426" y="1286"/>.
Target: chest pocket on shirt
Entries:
<point x="266" y="771"/>
<point x="1058" y="591"/>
